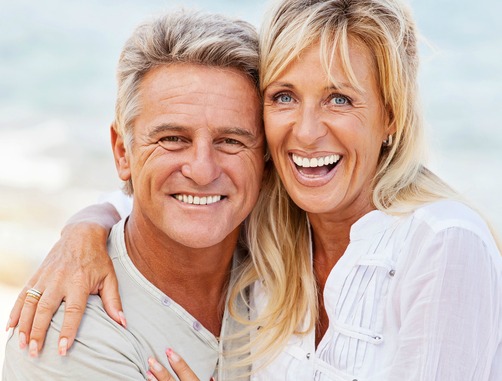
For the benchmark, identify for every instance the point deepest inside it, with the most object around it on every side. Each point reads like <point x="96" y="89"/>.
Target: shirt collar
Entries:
<point x="372" y="223"/>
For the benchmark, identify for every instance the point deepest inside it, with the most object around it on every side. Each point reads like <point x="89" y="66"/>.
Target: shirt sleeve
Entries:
<point x="121" y="202"/>
<point x="449" y="309"/>
<point x="102" y="351"/>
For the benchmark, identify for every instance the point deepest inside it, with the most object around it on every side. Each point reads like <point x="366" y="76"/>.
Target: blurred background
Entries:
<point x="57" y="90"/>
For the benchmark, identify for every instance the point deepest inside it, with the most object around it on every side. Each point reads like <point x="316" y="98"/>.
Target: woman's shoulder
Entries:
<point x="446" y="214"/>
<point x="449" y="231"/>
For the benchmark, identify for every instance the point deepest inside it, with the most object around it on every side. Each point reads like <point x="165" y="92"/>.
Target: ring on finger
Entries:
<point x="34" y="293"/>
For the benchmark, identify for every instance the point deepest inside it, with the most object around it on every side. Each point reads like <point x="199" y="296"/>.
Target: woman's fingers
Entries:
<point x="77" y="265"/>
<point x="109" y="293"/>
<point x="36" y="317"/>
<point x="180" y="367"/>
<point x="15" y="312"/>
<point x="158" y="372"/>
<point x="75" y="304"/>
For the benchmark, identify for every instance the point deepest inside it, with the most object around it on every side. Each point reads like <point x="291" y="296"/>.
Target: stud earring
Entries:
<point x="388" y="142"/>
<point x="267" y="155"/>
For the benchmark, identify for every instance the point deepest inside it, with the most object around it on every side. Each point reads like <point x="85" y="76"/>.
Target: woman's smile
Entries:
<point x="325" y="133"/>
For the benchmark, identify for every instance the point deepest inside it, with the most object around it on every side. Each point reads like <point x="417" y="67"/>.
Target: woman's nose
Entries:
<point x="308" y="128"/>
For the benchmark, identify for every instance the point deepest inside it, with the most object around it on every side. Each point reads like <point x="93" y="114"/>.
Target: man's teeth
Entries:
<point x="315" y="161"/>
<point x="196" y="200"/>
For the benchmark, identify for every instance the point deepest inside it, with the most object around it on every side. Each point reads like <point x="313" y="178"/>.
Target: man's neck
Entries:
<point x="196" y="279"/>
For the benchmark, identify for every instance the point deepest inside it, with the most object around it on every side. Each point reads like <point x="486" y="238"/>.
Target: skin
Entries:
<point x="199" y="134"/>
<point x="306" y="116"/>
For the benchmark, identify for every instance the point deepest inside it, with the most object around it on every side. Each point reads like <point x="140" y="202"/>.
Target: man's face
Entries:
<point x="196" y="160"/>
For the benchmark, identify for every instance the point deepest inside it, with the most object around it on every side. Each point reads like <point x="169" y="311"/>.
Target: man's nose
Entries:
<point x="202" y="165"/>
<point x="308" y="127"/>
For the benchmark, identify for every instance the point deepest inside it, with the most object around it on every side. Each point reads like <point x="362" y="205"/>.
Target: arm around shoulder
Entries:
<point x="77" y="265"/>
<point x="103" y="350"/>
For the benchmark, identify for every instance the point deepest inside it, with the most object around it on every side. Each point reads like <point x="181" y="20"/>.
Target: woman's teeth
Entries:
<point x="313" y="162"/>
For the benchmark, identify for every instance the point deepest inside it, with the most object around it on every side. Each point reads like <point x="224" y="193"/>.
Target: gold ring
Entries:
<point x="34" y="293"/>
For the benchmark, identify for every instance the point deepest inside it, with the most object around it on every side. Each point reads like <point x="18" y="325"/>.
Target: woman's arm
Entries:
<point x="450" y="310"/>
<point x="77" y="265"/>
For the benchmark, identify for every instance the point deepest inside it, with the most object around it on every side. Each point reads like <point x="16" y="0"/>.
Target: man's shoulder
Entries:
<point x="103" y="350"/>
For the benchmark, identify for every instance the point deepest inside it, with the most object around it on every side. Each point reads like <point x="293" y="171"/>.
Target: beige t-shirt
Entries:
<point x="104" y="350"/>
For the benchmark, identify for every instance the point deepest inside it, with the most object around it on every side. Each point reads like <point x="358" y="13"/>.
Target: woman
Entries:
<point x="398" y="280"/>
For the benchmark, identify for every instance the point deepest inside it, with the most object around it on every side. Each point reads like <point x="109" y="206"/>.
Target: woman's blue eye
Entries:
<point x="339" y="100"/>
<point x="284" y="98"/>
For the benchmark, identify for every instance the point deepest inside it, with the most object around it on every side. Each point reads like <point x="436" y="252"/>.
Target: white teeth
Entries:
<point x="315" y="161"/>
<point x="196" y="200"/>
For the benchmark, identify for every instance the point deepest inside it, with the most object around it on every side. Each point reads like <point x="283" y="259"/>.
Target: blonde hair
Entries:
<point x="277" y="228"/>
<point x="180" y="36"/>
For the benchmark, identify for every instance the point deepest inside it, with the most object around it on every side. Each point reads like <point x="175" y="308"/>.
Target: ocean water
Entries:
<point x="57" y="89"/>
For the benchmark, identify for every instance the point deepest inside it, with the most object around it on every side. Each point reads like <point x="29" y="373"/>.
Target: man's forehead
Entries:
<point x="187" y="96"/>
<point x="197" y="78"/>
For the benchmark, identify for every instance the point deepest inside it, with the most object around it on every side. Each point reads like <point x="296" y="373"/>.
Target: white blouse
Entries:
<point x="417" y="297"/>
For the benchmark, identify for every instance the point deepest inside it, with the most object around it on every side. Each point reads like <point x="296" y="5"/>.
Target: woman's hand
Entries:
<point x="77" y="265"/>
<point x="158" y="373"/>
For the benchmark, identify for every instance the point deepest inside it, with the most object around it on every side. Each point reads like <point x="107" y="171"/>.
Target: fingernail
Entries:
<point x="123" y="320"/>
<point x="33" y="349"/>
<point x="150" y="376"/>
<point x="22" y="340"/>
<point x="154" y="364"/>
<point x="172" y="355"/>
<point x="63" y="346"/>
<point x="8" y="325"/>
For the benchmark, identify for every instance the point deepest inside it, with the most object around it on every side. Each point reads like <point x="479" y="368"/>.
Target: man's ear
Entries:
<point x="120" y="154"/>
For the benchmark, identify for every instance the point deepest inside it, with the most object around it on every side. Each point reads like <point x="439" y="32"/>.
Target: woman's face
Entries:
<point x="325" y="139"/>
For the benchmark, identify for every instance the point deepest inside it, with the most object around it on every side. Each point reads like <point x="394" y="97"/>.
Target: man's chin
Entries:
<point x="198" y="238"/>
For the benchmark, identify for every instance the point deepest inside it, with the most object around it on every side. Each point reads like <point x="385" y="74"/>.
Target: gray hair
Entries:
<point x="180" y="37"/>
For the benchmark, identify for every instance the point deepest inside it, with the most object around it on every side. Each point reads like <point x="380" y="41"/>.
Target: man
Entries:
<point x="188" y="142"/>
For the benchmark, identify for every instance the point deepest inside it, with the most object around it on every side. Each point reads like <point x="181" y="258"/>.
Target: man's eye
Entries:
<point x="172" y="143"/>
<point x="231" y="141"/>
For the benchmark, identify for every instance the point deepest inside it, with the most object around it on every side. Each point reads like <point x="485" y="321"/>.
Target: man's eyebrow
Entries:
<point x="238" y="131"/>
<point x="166" y="127"/>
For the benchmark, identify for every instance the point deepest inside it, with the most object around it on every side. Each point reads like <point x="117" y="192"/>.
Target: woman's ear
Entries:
<point x="390" y="122"/>
<point x="120" y="154"/>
